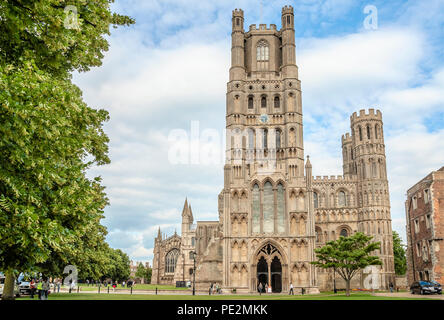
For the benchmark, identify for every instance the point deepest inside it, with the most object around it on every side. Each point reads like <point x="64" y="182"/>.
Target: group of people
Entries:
<point x="264" y="288"/>
<point x="214" y="287"/>
<point x="42" y="286"/>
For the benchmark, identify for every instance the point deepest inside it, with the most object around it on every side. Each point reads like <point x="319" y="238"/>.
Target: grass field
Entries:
<point x="84" y="287"/>
<point x="322" y="296"/>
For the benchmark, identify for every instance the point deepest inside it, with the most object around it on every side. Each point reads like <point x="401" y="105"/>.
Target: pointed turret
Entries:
<point x="187" y="217"/>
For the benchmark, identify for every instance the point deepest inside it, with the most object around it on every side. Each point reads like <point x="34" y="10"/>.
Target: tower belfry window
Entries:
<point x="262" y="51"/>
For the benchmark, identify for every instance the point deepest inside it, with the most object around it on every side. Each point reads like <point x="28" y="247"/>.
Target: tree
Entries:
<point x="48" y="136"/>
<point x="144" y="272"/>
<point x="348" y="255"/>
<point x="399" y="254"/>
<point x="141" y="271"/>
<point x="119" y="266"/>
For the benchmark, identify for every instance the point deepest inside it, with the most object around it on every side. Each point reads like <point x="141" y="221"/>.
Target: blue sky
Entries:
<point x="171" y="68"/>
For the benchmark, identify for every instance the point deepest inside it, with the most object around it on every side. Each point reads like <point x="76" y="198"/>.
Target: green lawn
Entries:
<point x="322" y="296"/>
<point x="84" y="287"/>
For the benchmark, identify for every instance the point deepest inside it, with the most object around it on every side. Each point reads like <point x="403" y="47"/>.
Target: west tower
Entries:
<point x="268" y="225"/>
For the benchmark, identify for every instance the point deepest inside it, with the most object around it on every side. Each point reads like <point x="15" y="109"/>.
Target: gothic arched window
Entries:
<point x="280" y="208"/>
<point x="268" y="207"/>
<point x="250" y="102"/>
<point x="250" y="139"/>
<point x="256" y="209"/>
<point x="262" y="51"/>
<point x="344" y="232"/>
<point x="368" y="132"/>
<point x="265" y="138"/>
<point x="342" y="202"/>
<point x="263" y="101"/>
<point x="278" y="139"/>
<point x="376" y="131"/>
<point x="360" y="134"/>
<point x="277" y="102"/>
<point x="171" y="260"/>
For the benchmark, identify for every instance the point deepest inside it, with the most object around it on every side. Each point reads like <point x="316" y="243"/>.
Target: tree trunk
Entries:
<point x="8" y="289"/>
<point x="347" y="287"/>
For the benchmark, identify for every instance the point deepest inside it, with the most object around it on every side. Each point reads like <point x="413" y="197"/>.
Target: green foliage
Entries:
<point x="399" y="254"/>
<point x="50" y="211"/>
<point x="144" y="273"/>
<point x="119" y="266"/>
<point x="348" y="255"/>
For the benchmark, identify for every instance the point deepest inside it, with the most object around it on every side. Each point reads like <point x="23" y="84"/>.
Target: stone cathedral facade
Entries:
<point x="272" y="212"/>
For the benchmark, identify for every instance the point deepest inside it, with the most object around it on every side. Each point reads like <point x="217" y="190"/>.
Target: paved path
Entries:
<point x="409" y="295"/>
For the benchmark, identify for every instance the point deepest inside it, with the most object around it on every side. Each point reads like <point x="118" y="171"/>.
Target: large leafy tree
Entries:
<point x="48" y="136"/>
<point x="144" y="272"/>
<point x="399" y="254"/>
<point x="348" y="255"/>
<point x="119" y="268"/>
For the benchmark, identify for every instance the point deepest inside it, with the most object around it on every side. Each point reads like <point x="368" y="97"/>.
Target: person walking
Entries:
<point x="40" y="288"/>
<point x="291" y="289"/>
<point x="260" y="288"/>
<point x="45" y="289"/>
<point x="211" y="289"/>
<point x="32" y="287"/>
<point x="391" y="287"/>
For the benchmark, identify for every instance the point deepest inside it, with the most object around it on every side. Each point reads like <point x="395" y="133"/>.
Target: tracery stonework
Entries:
<point x="272" y="212"/>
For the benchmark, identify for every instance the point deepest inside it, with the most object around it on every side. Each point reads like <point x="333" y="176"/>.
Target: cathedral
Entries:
<point x="272" y="211"/>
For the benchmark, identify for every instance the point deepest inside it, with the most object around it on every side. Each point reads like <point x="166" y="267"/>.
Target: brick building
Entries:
<point x="425" y="228"/>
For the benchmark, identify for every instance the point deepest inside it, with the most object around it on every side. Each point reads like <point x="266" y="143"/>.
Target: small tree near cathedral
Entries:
<point x="348" y="255"/>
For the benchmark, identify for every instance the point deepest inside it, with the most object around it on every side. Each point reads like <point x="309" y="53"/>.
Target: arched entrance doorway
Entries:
<point x="269" y="268"/>
<point x="276" y="275"/>
<point x="262" y="272"/>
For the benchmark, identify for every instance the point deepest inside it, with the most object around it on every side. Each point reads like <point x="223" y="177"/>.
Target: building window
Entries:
<point x="360" y="133"/>
<point x="237" y="21"/>
<point x="342" y="202"/>
<point x="368" y="132"/>
<point x="191" y="271"/>
<point x="262" y="51"/>
<point x="171" y="260"/>
<point x="426" y="195"/>
<point x="193" y="241"/>
<point x="376" y="131"/>
<point x="278" y="139"/>
<point x="265" y="138"/>
<point x="280" y="207"/>
<point x="277" y="102"/>
<point x="418" y="249"/>
<point x="250" y="139"/>
<point x="416" y="226"/>
<point x="315" y="200"/>
<point x="256" y="209"/>
<point x="414" y="202"/>
<point x="428" y="221"/>
<point x="268" y="207"/>
<point x="250" y="102"/>
<point x="263" y="102"/>
<point x="344" y="232"/>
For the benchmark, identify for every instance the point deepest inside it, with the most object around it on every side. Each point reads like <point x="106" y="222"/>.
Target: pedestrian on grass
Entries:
<point x="260" y="288"/>
<point x="291" y="289"/>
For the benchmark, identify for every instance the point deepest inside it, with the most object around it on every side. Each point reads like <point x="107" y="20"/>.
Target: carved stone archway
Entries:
<point x="270" y="268"/>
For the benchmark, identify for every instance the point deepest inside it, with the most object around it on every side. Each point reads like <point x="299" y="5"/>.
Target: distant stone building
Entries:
<point x="272" y="212"/>
<point x="133" y="271"/>
<point x="425" y="228"/>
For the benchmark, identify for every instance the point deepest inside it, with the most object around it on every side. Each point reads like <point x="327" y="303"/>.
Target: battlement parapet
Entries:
<point x="329" y="178"/>
<point x="271" y="27"/>
<point x="238" y="13"/>
<point x="346" y="138"/>
<point x="363" y="115"/>
<point x="287" y="9"/>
